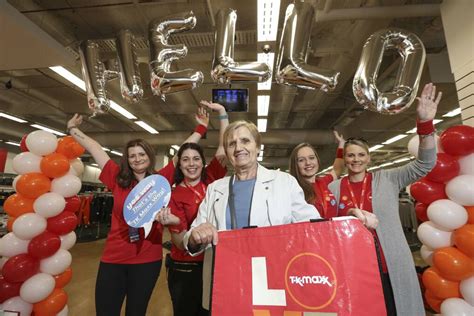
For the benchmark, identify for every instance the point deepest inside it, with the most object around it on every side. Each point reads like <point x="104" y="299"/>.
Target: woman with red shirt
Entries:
<point x="130" y="264"/>
<point x="304" y="165"/>
<point x="185" y="271"/>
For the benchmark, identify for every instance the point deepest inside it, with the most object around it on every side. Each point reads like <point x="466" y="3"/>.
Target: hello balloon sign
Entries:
<point x="446" y="207"/>
<point x="291" y="67"/>
<point x="35" y="258"/>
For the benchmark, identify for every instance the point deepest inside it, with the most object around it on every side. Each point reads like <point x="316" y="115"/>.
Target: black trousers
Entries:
<point x="185" y="286"/>
<point x="117" y="281"/>
<point x="388" y="294"/>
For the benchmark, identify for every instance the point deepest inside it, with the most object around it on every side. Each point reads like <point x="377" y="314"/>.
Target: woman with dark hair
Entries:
<point x="192" y="177"/>
<point x="130" y="263"/>
<point x="304" y="165"/>
<point x="373" y="199"/>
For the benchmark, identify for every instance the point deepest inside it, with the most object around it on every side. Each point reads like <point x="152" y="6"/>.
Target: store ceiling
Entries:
<point x="39" y="95"/>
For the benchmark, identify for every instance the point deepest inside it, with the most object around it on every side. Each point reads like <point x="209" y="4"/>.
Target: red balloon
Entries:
<point x="23" y="146"/>
<point x="62" y="224"/>
<point x="458" y="140"/>
<point x="54" y="165"/>
<point x="19" y="268"/>
<point x="447" y="167"/>
<point x="8" y="290"/>
<point x="44" y="245"/>
<point x="420" y="210"/>
<point x="72" y="204"/>
<point x="32" y="185"/>
<point x="426" y="191"/>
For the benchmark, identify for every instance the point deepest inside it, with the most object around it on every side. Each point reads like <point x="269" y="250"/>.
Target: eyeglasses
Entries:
<point x="356" y="139"/>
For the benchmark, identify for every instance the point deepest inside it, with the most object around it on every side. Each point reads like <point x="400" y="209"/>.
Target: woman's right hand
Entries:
<point x="369" y="219"/>
<point x="203" y="234"/>
<point x="75" y="121"/>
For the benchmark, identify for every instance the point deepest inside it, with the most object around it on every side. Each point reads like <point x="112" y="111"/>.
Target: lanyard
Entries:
<point x="362" y="194"/>
<point x="199" y="195"/>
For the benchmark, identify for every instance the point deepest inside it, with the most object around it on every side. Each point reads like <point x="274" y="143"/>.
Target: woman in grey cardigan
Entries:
<point x="373" y="199"/>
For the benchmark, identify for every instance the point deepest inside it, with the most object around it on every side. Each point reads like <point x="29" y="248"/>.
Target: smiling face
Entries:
<point x="307" y="163"/>
<point x="138" y="159"/>
<point x="242" y="149"/>
<point x="356" y="159"/>
<point x="191" y="165"/>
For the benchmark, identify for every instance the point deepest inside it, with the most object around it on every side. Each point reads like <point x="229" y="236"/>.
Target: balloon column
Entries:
<point x="446" y="205"/>
<point x="35" y="257"/>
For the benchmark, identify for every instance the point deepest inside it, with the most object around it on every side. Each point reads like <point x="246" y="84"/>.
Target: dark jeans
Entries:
<point x="117" y="281"/>
<point x="185" y="286"/>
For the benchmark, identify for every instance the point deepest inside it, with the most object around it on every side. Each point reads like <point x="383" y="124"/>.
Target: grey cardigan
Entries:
<point x="386" y="184"/>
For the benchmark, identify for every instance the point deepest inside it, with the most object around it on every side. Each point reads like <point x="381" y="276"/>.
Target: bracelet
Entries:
<point x="339" y="153"/>
<point x="201" y="130"/>
<point x="425" y="128"/>
<point x="223" y="117"/>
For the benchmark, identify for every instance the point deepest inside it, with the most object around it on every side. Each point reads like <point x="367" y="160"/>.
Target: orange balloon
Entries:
<point x="439" y="286"/>
<point x="51" y="305"/>
<point x="470" y="214"/>
<point x="32" y="185"/>
<point x="54" y="165"/>
<point x="69" y="147"/>
<point x="433" y="301"/>
<point x="63" y="279"/>
<point x="464" y="239"/>
<point x="10" y="222"/>
<point x="17" y="205"/>
<point x="452" y="264"/>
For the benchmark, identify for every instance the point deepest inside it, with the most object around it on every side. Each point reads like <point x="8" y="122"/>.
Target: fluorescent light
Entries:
<point x="122" y="111"/>
<point x="386" y="164"/>
<point x="13" y="143"/>
<point x="263" y="102"/>
<point x="44" y="128"/>
<point x="268" y="12"/>
<point x="69" y="76"/>
<point x="394" y="139"/>
<point x="105" y="149"/>
<point x="402" y="160"/>
<point x="412" y="131"/>
<point x="262" y="125"/>
<point x="116" y="153"/>
<point x="374" y="148"/>
<point x="436" y="121"/>
<point x="175" y="147"/>
<point x="259" y="158"/>
<point x="453" y="113"/>
<point x="146" y="127"/>
<point x="373" y="168"/>
<point x="262" y="147"/>
<point x="269" y="59"/>
<point x="11" y="117"/>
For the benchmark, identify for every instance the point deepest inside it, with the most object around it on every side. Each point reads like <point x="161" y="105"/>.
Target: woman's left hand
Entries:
<point x="165" y="217"/>
<point x="213" y="106"/>
<point x="202" y="117"/>
<point x="428" y="103"/>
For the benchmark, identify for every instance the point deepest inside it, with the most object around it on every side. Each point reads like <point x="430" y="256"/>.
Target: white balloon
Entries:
<point x="2" y="261"/>
<point x="41" y="143"/>
<point x="26" y="162"/>
<point x="64" y="311"/>
<point x="10" y="245"/>
<point x="414" y="143"/>
<point x="68" y="240"/>
<point x="29" y="225"/>
<point x="15" y="181"/>
<point x="466" y="288"/>
<point x="57" y="263"/>
<point x="461" y="189"/>
<point x="37" y="288"/>
<point x="67" y="185"/>
<point x="447" y="214"/>
<point x="77" y="167"/>
<point x="433" y="236"/>
<point x="427" y="255"/>
<point x="466" y="164"/>
<point x="456" y="307"/>
<point x="18" y="305"/>
<point x="49" y="204"/>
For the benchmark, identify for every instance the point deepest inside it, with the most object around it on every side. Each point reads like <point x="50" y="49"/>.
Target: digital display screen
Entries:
<point x="234" y="100"/>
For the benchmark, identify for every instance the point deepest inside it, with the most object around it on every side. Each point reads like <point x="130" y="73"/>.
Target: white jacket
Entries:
<point x="277" y="199"/>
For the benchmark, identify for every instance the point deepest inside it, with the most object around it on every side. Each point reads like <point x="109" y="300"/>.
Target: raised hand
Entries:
<point x="202" y="116"/>
<point x="428" y="103"/>
<point x="213" y="106"/>
<point x="75" y="121"/>
<point x="339" y="139"/>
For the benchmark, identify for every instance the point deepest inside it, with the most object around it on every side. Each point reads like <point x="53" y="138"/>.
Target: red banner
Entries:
<point x="297" y="270"/>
